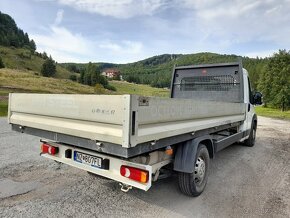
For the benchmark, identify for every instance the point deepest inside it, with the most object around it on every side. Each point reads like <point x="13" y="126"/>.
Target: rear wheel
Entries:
<point x="193" y="184"/>
<point x="250" y="142"/>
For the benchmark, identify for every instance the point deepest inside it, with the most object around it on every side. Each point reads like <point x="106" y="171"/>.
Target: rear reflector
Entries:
<point x="134" y="174"/>
<point x="49" y="149"/>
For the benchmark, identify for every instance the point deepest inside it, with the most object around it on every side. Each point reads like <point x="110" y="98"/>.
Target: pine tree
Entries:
<point x="81" y="78"/>
<point x="48" y="68"/>
<point x="44" y="55"/>
<point x="88" y="74"/>
<point x="32" y="45"/>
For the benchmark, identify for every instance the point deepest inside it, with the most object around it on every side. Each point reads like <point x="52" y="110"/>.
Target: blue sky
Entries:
<point x="129" y="30"/>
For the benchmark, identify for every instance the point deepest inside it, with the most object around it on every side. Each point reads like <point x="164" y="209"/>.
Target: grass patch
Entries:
<point x="138" y="89"/>
<point x="3" y="108"/>
<point x="271" y="112"/>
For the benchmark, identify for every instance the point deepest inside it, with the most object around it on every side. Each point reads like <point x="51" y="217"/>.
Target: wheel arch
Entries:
<point x="255" y="120"/>
<point x="186" y="153"/>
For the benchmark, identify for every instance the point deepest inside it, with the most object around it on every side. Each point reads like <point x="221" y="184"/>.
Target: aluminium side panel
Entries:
<point x="160" y="110"/>
<point x="95" y="117"/>
<point x="162" y="118"/>
<point x="9" y="107"/>
<point x="155" y="132"/>
<point x="93" y="108"/>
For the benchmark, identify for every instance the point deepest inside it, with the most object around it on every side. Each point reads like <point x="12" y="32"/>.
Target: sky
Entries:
<point x="124" y="31"/>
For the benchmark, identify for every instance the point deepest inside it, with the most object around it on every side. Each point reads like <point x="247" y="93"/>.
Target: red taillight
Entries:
<point x="134" y="173"/>
<point x="49" y="149"/>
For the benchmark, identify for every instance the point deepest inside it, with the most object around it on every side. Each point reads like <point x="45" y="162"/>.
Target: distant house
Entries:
<point x="112" y="73"/>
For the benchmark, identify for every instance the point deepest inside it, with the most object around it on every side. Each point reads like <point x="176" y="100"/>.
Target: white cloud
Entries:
<point x="224" y="26"/>
<point x="128" y="47"/>
<point x="118" y="9"/>
<point x="61" y="43"/>
<point x="261" y="54"/>
<point x="59" y="17"/>
<point x="236" y="22"/>
<point x="66" y="46"/>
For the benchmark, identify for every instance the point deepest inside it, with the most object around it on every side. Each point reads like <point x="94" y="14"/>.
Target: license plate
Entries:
<point x="88" y="159"/>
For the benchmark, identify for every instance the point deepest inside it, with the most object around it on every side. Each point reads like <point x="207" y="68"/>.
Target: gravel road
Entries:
<point x="244" y="182"/>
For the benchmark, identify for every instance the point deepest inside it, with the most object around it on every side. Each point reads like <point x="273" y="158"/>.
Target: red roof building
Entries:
<point x="111" y="73"/>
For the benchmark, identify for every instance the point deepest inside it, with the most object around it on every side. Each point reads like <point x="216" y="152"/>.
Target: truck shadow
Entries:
<point x="165" y="193"/>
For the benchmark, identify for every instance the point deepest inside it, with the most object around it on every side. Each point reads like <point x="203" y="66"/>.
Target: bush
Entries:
<point x="1" y="63"/>
<point x="110" y="87"/>
<point x="73" y="77"/>
<point x="99" y="89"/>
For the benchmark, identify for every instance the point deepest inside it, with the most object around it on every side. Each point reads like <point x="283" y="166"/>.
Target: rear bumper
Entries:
<point x="114" y="166"/>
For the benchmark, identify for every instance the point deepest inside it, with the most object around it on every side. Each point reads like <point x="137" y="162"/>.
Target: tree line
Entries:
<point x="274" y="81"/>
<point x="269" y="75"/>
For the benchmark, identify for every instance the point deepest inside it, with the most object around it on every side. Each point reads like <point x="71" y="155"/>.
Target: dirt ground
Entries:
<point x="244" y="182"/>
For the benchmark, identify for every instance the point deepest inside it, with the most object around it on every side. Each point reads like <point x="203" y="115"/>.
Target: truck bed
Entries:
<point x="122" y="120"/>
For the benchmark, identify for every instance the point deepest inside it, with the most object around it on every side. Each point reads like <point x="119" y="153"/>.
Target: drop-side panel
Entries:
<point x="158" y="118"/>
<point x="84" y="129"/>
<point x="159" y="110"/>
<point x="95" y="117"/>
<point x="152" y="132"/>
<point x="99" y="108"/>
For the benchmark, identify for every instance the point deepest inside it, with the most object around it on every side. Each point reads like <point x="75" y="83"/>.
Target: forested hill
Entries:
<point x="156" y="71"/>
<point x="11" y="35"/>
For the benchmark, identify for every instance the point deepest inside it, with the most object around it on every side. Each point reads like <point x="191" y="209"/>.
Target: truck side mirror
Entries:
<point x="258" y="98"/>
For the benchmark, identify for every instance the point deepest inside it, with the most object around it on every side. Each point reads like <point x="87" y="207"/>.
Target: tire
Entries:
<point x="193" y="184"/>
<point x="250" y="142"/>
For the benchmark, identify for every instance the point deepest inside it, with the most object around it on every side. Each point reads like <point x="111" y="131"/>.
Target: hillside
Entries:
<point x="17" y="50"/>
<point x="27" y="82"/>
<point x="24" y="59"/>
<point x="156" y="71"/>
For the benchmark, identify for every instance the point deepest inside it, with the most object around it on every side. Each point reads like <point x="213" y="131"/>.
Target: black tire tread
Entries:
<point x="185" y="183"/>
<point x="250" y="141"/>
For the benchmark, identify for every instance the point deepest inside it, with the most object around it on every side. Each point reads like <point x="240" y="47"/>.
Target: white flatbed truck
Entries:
<point x="136" y="140"/>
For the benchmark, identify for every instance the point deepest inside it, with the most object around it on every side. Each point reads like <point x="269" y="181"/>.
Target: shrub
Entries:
<point x="1" y="63"/>
<point x="110" y="87"/>
<point x="99" y="89"/>
<point x="73" y="77"/>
